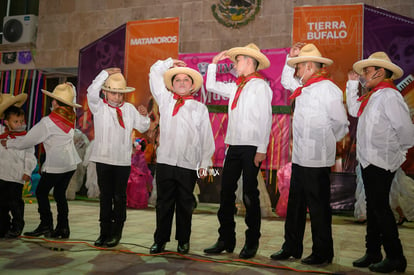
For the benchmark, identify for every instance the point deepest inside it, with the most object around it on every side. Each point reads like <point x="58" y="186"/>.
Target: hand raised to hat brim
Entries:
<point x="352" y="75"/>
<point x="113" y="70"/>
<point x="221" y="56"/>
<point x="179" y="63"/>
<point x="294" y="51"/>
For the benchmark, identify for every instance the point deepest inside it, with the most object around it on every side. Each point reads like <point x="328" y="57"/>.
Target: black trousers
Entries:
<point x="381" y="226"/>
<point x="11" y="201"/>
<point x="59" y="183"/>
<point x="239" y="159"/>
<point x="112" y="182"/>
<point x="309" y="188"/>
<point x="175" y="187"/>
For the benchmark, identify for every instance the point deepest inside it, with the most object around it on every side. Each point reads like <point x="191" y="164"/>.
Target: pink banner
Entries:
<point x="278" y="150"/>
<point x="277" y="57"/>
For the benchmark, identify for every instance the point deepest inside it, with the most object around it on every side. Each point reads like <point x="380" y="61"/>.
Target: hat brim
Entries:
<point x="61" y="99"/>
<point x="126" y="90"/>
<point x="300" y="59"/>
<point x="17" y="101"/>
<point x="196" y="76"/>
<point x="259" y="56"/>
<point x="374" y="62"/>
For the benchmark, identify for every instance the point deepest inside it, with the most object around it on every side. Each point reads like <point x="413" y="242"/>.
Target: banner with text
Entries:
<point x="146" y="42"/>
<point x="336" y="31"/>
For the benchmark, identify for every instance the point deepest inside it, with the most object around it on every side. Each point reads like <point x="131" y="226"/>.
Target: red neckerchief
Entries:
<point x="64" y="117"/>
<point x="180" y="102"/>
<point x="241" y="81"/>
<point x="317" y="77"/>
<point x="386" y="83"/>
<point x="118" y="113"/>
<point x="12" y="134"/>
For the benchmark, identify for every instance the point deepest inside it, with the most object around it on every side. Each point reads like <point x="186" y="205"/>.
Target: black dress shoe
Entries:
<point x="284" y="255"/>
<point x="367" y="260"/>
<point x="402" y="220"/>
<point x="101" y="241"/>
<point x="114" y="241"/>
<point x="13" y="233"/>
<point x="219" y="247"/>
<point x="390" y="265"/>
<point x="314" y="259"/>
<point x="60" y="233"/>
<point x="157" y="248"/>
<point x="248" y="251"/>
<point x="183" y="248"/>
<point x="40" y="230"/>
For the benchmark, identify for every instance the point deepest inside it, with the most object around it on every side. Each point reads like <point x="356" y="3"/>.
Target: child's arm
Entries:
<point x="30" y="163"/>
<point x="288" y="80"/>
<point x="94" y="101"/>
<point x="352" y="93"/>
<point x="156" y="78"/>
<point x="217" y="87"/>
<point x="36" y="135"/>
<point x="141" y="121"/>
<point x="207" y="140"/>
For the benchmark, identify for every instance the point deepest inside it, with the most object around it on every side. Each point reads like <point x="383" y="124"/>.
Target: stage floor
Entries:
<point x="78" y="256"/>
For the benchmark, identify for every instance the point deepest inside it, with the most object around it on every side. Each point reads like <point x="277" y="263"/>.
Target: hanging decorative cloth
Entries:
<point x="386" y="83"/>
<point x="316" y="77"/>
<point x="64" y="117"/>
<point x="180" y="102"/>
<point x="118" y="113"/>
<point x="241" y="81"/>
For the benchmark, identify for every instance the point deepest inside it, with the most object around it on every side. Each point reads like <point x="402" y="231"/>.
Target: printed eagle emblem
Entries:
<point x="235" y="13"/>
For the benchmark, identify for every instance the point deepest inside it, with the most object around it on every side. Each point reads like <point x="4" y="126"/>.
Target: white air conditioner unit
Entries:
<point x="19" y="29"/>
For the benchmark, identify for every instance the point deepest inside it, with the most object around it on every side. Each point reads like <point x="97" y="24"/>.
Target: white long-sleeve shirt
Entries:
<point x="186" y="139"/>
<point x="251" y="121"/>
<point x="16" y="163"/>
<point x="319" y="121"/>
<point x="112" y="143"/>
<point x="61" y="155"/>
<point x="385" y="131"/>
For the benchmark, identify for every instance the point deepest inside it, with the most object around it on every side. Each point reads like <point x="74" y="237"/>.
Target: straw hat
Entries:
<point x="7" y="100"/>
<point x="64" y="93"/>
<point x="196" y="76"/>
<point x="379" y="59"/>
<point x="250" y="50"/>
<point x="116" y="83"/>
<point x="309" y="52"/>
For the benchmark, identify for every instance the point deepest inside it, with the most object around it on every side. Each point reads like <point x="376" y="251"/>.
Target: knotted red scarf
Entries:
<point x="386" y="83"/>
<point x="118" y="113"/>
<point x="12" y="134"/>
<point x="241" y="81"/>
<point x="180" y="102"/>
<point x="64" y="117"/>
<point x="316" y="77"/>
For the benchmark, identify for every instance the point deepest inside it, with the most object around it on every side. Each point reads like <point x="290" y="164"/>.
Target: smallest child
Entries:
<point x="16" y="166"/>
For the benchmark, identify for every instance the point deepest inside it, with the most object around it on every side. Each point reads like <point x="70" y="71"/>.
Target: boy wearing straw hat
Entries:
<point x="56" y="132"/>
<point x="186" y="145"/>
<point x="114" y="119"/>
<point x="248" y="131"/>
<point x="319" y="121"/>
<point x="16" y="166"/>
<point x="384" y="134"/>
